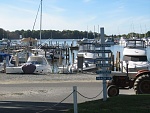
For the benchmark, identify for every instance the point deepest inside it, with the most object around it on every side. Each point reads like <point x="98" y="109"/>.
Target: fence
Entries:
<point x="74" y="92"/>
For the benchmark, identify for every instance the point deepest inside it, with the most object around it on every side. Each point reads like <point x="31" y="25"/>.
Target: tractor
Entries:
<point x="139" y="81"/>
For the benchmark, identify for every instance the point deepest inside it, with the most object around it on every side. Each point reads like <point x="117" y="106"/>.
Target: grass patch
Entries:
<point x="118" y="104"/>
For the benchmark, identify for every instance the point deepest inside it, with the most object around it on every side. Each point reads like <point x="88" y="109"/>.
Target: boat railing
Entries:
<point x="39" y="47"/>
<point x="91" y="51"/>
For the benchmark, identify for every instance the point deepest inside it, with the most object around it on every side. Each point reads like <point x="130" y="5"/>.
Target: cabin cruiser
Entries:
<point x="37" y="64"/>
<point x="135" y="56"/>
<point x="87" y="53"/>
<point x="110" y="41"/>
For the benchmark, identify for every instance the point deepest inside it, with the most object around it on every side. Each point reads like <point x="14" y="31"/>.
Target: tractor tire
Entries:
<point x="112" y="91"/>
<point x="142" y="84"/>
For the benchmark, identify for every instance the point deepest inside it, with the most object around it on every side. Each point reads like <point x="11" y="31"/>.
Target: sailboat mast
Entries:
<point x="41" y="23"/>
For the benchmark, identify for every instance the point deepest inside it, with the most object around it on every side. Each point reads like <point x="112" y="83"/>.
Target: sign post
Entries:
<point x="102" y="64"/>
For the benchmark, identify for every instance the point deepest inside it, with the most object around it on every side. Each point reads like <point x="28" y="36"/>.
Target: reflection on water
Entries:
<point x="114" y="49"/>
<point x="55" y="64"/>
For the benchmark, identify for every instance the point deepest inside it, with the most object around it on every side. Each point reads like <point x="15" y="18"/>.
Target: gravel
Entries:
<point x="36" y="78"/>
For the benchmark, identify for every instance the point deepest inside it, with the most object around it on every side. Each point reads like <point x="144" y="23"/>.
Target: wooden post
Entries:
<point x="60" y="57"/>
<point x="113" y="63"/>
<point x="26" y="56"/>
<point x="45" y="52"/>
<point x="4" y="61"/>
<point x="66" y="55"/>
<point x="110" y="55"/>
<point x="16" y="60"/>
<point x="72" y="57"/>
<point x="116" y="63"/>
<point x="119" y="61"/>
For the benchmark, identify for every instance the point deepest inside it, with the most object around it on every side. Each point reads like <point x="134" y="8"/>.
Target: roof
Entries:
<point x="29" y="39"/>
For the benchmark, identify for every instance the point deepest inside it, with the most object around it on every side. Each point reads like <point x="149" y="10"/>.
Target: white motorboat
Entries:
<point x="122" y="41"/>
<point x="42" y="52"/>
<point x="87" y="51"/>
<point x="110" y="41"/>
<point x="35" y="64"/>
<point x="135" y="56"/>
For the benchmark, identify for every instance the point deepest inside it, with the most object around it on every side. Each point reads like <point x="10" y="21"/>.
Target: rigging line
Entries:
<point x="36" y="17"/>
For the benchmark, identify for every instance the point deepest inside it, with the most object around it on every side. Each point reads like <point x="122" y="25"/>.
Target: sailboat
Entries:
<point x="36" y="63"/>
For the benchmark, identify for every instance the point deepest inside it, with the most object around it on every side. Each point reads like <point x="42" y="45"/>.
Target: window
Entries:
<point x="135" y="58"/>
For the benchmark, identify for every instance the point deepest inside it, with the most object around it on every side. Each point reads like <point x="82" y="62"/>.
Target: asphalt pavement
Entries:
<point x="47" y="93"/>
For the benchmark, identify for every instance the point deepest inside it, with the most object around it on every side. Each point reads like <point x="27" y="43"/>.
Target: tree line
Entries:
<point x="65" y="34"/>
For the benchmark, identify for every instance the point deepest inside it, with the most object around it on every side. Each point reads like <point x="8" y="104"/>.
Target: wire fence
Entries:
<point x="74" y="91"/>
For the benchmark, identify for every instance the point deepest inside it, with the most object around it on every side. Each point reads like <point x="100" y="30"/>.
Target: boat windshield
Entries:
<point x="86" y="47"/>
<point x="135" y="43"/>
<point x="134" y="58"/>
<point x="37" y="60"/>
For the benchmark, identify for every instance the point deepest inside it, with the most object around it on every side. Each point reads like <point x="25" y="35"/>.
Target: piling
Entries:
<point x="17" y="60"/>
<point x="45" y="52"/>
<point x="110" y="55"/>
<point x="4" y="61"/>
<point x="73" y="58"/>
<point x="26" y="56"/>
<point x="80" y="62"/>
<point x="113" y="63"/>
<point x="118" y="61"/>
<point x="60" y="57"/>
<point x="66" y="55"/>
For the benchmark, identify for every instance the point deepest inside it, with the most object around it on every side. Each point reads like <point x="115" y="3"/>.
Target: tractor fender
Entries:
<point x="142" y="72"/>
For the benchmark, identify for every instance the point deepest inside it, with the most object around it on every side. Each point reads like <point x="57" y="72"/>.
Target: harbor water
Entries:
<point x="69" y="42"/>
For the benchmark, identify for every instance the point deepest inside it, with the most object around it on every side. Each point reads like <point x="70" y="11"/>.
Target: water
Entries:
<point x="55" y="65"/>
<point x="114" y="49"/>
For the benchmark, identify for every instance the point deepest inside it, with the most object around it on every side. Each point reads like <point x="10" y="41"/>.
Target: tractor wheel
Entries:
<point x="142" y="84"/>
<point x="112" y="90"/>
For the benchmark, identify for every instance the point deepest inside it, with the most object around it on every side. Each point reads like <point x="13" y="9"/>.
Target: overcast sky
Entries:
<point x="116" y="16"/>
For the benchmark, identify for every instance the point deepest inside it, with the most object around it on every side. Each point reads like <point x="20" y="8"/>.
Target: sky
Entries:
<point x="116" y="16"/>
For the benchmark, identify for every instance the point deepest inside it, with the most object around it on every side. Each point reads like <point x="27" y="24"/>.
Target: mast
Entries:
<point x="41" y="23"/>
<point x="94" y="32"/>
<point x="87" y="32"/>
